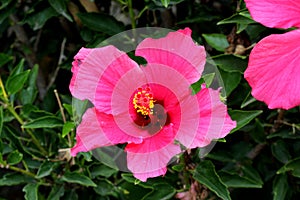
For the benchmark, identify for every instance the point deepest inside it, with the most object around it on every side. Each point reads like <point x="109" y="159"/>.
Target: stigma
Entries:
<point x="143" y="101"/>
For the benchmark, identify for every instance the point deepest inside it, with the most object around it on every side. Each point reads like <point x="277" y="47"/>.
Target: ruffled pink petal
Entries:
<point x="273" y="70"/>
<point x="275" y="13"/>
<point x="89" y="134"/>
<point x="78" y="58"/>
<point x="203" y="121"/>
<point x="113" y="132"/>
<point x="178" y="51"/>
<point x="96" y="71"/>
<point x="151" y="144"/>
<point x="145" y="165"/>
<point x="214" y="123"/>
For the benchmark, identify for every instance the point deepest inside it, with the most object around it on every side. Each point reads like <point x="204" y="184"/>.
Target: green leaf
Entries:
<point x="4" y="14"/>
<point x="208" y="78"/>
<point x="293" y="166"/>
<point x="67" y="128"/>
<point x="14" y="157"/>
<point x="280" y="187"/>
<point x="71" y="195"/>
<point x="33" y="76"/>
<point x="61" y="8"/>
<point x="68" y="108"/>
<point x="217" y="41"/>
<point x="251" y="174"/>
<point x="131" y="179"/>
<point x="242" y="19"/>
<point x="161" y="191"/>
<point x="280" y="151"/>
<point x="29" y="94"/>
<point x="101" y="170"/>
<point x="231" y="80"/>
<point x="5" y="3"/>
<point x="108" y="155"/>
<point x="74" y="177"/>
<point x="236" y="181"/>
<point x="285" y="134"/>
<point x="258" y="132"/>
<point x="31" y="191"/>
<point x="179" y="167"/>
<point x="1" y="119"/>
<point x="230" y="63"/>
<point x="206" y="174"/>
<point x="44" y="122"/>
<point x="19" y="68"/>
<point x="16" y="82"/>
<point x="10" y="179"/>
<point x="248" y="100"/>
<point x="4" y="58"/>
<point x="56" y="192"/>
<point x="104" y="188"/>
<point x="37" y="21"/>
<point x="165" y="3"/>
<point x="101" y="23"/>
<point x="243" y="117"/>
<point x="45" y="169"/>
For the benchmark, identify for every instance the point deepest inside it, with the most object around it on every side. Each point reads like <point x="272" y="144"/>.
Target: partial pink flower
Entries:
<point x="275" y="13"/>
<point x="149" y="108"/>
<point x="274" y="63"/>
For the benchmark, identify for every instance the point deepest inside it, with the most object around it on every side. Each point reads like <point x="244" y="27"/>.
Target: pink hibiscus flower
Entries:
<point x="274" y="63"/>
<point x="150" y="108"/>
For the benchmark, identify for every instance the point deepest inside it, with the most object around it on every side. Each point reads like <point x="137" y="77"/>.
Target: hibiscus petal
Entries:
<point x="113" y="131"/>
<point x="214" y="123"/>
<point x="275" y="13"/>
<point x="203" y="121"/>
<point x="176" y="50"/>
<point x="144" y="164"/>
<point x="106" y="64"/>
<point x="151" y="144"/>
<point x="89" y="134"/>
<point x="274" y="68"/>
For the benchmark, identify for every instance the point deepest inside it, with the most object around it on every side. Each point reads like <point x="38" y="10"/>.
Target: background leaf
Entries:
<point x="44" y="122"/>
<point x="61" y="8"/>
<point x="16" y="83"/>
<point x="101" y="23"/>
<point x="31" y="191"/>
<point x="205" y="174"/>
<point x="73" y="177"/>
<point x="217" y="41"/>
<point x="14" y="157"/>
<point x="242" y="117"/>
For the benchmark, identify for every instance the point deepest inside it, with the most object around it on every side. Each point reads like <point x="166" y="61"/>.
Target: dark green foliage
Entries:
<point x="258" y="159"/>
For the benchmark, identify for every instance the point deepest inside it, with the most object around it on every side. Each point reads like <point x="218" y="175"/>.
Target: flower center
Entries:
<point x="143" y="101"/>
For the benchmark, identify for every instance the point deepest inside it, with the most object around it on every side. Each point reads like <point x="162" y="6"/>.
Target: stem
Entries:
<point x="3" y="90"/>
<point x="21" y="171"/>
<point x="62" y="114"/>
<point x="60" y="106"/>
<point x="36" y="142"/>
<point x="25" y="172"/>
<point x="15" y="114"/>
<point x="131" y="14"/>
<point x="141" y="12"/>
